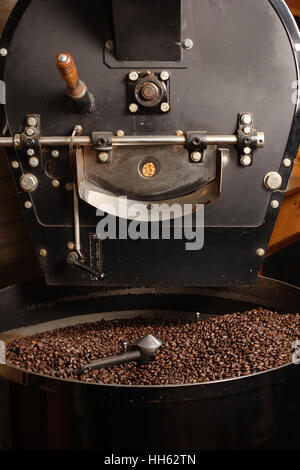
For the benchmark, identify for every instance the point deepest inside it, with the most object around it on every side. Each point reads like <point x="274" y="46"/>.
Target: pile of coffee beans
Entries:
<point x="221" y="347"/>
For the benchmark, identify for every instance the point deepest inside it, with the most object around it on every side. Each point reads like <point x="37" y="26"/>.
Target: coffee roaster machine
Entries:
<point x="180" y="102"/>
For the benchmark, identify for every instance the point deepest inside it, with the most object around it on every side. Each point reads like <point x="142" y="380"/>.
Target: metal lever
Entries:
<point x="145" y="350"/>
<point x="73" y="259"/>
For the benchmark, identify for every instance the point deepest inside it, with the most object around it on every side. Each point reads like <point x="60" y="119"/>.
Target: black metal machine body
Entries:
<point x="207" y="108"/>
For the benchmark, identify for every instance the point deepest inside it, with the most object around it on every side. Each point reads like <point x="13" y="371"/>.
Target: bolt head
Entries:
<point x="55" y="183"/>
<point x="297" y="47"/>
<point x="287" y="162"/>
<point x="188" y="44"/>
<point x="133" y="108"/>
<point x="30" y="152"/>
<point x="165" y="107"/>
<point x="260" y="252"/>
<point x="273" y="181"/>
<point x="43" y="253"/>
<point x="120" y="133"/>
<point x="247" y="130"/>
<point x="28" y="205"/>
<point x="246" y="160"/>
<point x="15" y="165"/>
<point x="247" y="150"/>
<point x="28" y="182"/>
<point x="246" y="119"/>
<point x="133" y="76"/>
<point x="165" y="75"/>
<point x="196" y="157"/>
<point x="32" y="121"/>
<point x="109" y="45"/>
<point x="103" y="157"/>
<point x="33" y="162"/>
<point x="179" y="133"/>
<point x="30" y="132"/>
<point x="3" y="52"/>
<point x="55" y="153"/>
<point x="275" y="204"/>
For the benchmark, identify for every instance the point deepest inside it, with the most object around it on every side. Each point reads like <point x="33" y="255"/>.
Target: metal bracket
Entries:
<point x="196" y="141"/>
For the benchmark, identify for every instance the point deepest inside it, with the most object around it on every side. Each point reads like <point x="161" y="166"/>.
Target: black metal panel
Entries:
<point x="147" y="31"/>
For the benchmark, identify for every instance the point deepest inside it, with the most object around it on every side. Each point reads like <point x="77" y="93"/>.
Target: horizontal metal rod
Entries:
<point x="78" y="141"/>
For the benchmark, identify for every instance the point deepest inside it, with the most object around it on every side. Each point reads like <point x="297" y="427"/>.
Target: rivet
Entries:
<point x="165" y="75"/>
<point x="3" y="52"/>
<point x="297" y="47"/>
<point x="196" y="157"/>
<point x="179" y="133"/>
<point x="43" y="253"/>
<point x="133" y="107"/>
<point x="15" y="165"/>
<point x="188" y="44"/>
<point x="69" y="186"/>
<point x="260" y="252"/>
<point x="28" y="205"/>
<point x="275" y="204"/>
<point x="165" y="107"/>
<point x="120" y="133"/>
<point x="55" y="183"/>
<point x="287" y="162"/>
<point x="33" y="162"/>
<point x="109" y="45"/>
<point x="103" y="157"/>
<point x="133" y="76"/>
<point x="55" y="153"/>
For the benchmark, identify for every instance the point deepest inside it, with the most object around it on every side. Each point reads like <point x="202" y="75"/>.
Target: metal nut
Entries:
<point x="246" y="160"/>
<point x="165" y="75"/>
<point x="32" y="121"/>
<point x="273" y="181"/>
<point x="30" y="132"/>
<point x="133" y="76"/>
<point x="188" y="44"/>
<point x="165" y="107"/>
<point x="196" y="157"/>
<point x="247" y="150"/>
<point x="30" y="152"/>
<point x="287" y="162"/>
<point x="246" y="119"/>
<point x="28" y="182"/>
<point x="260" y="252"/>
<point x="33" y="162"/>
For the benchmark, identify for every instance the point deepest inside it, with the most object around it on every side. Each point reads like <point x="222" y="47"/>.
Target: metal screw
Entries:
<point x="63" y="58"/>
<point x="287" y="162"/>
<point x="196" y="157"/>
<point x="246" y="119"/>
<point x="32" y="121"/>
<point x="260" y="252"/>
<point x="30" y="132"/>
<point x="246" y="160"/>
<point x="133" y="76"/>
<point x="120" y="133"/>
<point x="188" y="44"/>
<point x="165" y="107"/>
<point x="297" y="47"/>
<point x="165" y="75"/>
<point x="273" y="181"/>
<point x="247" y="130"/>
<point x="103" y="157"/>
<point x="43" y="253"/>
<point x="55" y="183"/>
<point x="275" y="204"/>
<point x="30" y="152"/>
<point x="71" y="246"/>
<point x="133" y="108"/>
<point x="15" y="165"/>
<point x="33" y="162"/>
<point x="28" y="205"/>
<point x="55" y="153"/>
<point x="28" y="182"/>
<point x="247" y="150"/>
<point x="109" y="45"/>
<point x="3" y="52"/>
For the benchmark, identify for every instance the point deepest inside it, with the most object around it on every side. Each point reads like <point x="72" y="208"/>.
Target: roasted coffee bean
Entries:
<point x="223" y="347"/>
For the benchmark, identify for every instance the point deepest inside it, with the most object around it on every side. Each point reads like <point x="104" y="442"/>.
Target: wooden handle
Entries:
<point x="68" y="70"/>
